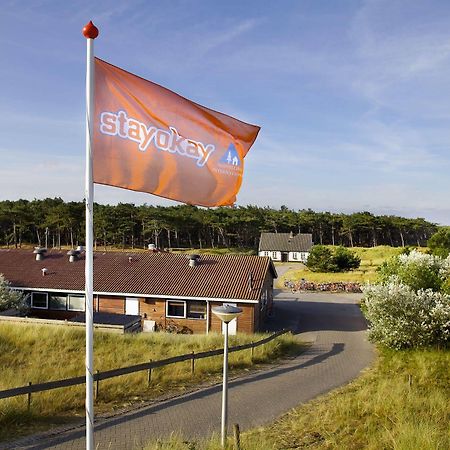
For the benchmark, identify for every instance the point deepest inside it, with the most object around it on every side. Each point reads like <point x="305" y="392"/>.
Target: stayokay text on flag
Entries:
<point x="149" y="139"/>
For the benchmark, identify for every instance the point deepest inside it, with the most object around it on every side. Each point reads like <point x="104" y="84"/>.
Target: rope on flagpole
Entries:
<point x="90" y="32"/>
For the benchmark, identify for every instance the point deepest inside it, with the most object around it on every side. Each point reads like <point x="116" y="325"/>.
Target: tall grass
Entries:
<point x="403" y="403"/>
<point x="39" y="353"/>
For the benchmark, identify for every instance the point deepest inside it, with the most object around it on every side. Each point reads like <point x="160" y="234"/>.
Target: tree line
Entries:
<point x="54" y="223"/>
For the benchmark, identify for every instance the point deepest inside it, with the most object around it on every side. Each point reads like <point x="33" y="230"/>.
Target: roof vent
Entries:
<point x="194" y="260"/>
<point x="44" y="271"/>
<point x="73" y="255"/>
<point x="130" y="259"/>
<point x="40" y="253"/>
<point x="152" y="247"/>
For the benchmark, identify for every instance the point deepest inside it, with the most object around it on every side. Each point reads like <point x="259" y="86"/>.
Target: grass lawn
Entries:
<point x="402" y="403"/>
<point x="371" y="259"/>
<point x="39" y="353"/>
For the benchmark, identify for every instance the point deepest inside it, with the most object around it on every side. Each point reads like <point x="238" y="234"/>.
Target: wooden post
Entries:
<point x="149" y="379"/>
<point x="29" y="397"/>
<point x="193" y="363"/>
<point x="97" y="386"/>
<point x="252" y="351"/>
<point x="237" y="436"/>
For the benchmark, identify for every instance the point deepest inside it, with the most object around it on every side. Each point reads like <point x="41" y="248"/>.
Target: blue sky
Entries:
<point x="353" y="97"/>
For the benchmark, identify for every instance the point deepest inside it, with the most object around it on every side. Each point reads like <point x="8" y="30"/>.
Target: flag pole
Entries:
<point x="90" y="32"/>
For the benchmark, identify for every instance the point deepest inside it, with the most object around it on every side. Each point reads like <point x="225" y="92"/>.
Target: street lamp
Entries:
<point x="226" y="314"/>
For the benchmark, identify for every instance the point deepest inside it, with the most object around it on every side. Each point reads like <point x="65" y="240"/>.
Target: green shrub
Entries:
<point x="324" y="259"/>
<point x="439" y="243"/>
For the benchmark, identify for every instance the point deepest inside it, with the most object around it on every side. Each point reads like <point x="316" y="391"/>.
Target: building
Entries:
<point x="167" y="290"/>
<point x="286" y="246"/>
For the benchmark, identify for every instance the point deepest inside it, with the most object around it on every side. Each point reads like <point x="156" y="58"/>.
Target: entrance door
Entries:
<point x="284" y="256"/>
<point x="132" y="306"/>
<point x="232" y="326"/>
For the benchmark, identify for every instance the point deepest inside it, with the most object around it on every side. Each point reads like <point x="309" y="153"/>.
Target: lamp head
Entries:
<point x="226" y="313"/>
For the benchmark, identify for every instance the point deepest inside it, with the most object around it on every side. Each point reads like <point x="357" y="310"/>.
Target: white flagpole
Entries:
<point x="90" y="32"/>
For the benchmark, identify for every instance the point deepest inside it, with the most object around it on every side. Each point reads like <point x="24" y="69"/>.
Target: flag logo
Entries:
<point x="231" y="157"/>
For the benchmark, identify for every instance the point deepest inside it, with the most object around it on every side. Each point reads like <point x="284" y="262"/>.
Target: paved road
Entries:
<point x="338" y="353"/>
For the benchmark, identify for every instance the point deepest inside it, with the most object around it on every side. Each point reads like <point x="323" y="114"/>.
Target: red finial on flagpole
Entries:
<point x="90" y="31"/>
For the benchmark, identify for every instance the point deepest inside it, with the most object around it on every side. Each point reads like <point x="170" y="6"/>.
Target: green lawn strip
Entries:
<point x="371" y="259"/>
<point x="39" y="353"/>
<point x="402" y="403"/>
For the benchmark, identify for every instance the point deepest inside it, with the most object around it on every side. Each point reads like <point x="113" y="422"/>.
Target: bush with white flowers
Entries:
<point x="9" y="299"/>
<point x="410" y="306"/>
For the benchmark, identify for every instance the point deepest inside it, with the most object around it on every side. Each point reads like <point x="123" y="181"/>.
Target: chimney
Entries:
<point x="130" y="259"/>
<point x="44" y="271"/>
<point x="40" y="253"/>
<point x="73" y="255"/>
<point x="194" y="260"/>
<point x="152" y="247"/>
<point x="250" y="280"/>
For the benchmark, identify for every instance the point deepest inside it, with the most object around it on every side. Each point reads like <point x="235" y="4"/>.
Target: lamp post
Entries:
<point x="226" y="314"/>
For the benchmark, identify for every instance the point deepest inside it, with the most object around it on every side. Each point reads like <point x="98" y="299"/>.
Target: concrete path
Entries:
<point x="339" y="351"/>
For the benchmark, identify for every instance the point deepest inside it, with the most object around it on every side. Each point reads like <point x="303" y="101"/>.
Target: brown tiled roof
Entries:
<point x="161" y="274"/>
<point x="285" y="242"/>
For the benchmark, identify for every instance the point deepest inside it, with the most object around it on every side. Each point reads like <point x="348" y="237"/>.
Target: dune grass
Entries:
<point x="39" y="353"/>
<point x="402" y="403"/>
<point x="371" y="259"/>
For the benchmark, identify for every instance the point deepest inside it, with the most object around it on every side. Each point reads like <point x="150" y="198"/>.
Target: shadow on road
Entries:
<point x="317" y="358"/>
<point x="303" y="315"/>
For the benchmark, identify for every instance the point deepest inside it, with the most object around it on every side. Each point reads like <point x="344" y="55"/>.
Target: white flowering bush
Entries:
<point x="8" y="298"/>
<point x="399" y="317"/>
<point x="410" y="307"/>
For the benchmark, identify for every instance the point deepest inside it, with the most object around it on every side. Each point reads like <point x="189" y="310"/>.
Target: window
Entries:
<point x="39" y="300"/>
<point x="274" y="255"/>
<point x="58" y="302"/>
<point x="76" y="303"/>
<point x="266" y="254"/>
<point x="175" y="309"/>
<point x="196" y="310"/>
<point x="294" y="255"/>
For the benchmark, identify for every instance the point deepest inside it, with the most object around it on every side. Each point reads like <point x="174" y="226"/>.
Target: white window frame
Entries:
<point x="266" y="254"/>
<point x="274" y="255"/>
<point x="176" y="301"/>
<point x="76" y="295"/>
<point x="295" y="256"/>
<point x="40" y="293"/>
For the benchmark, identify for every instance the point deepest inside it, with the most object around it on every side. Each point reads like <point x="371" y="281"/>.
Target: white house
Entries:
<point x="286" y="246"/>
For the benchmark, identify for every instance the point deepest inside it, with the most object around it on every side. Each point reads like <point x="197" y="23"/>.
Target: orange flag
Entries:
<point x="149" y="139"/>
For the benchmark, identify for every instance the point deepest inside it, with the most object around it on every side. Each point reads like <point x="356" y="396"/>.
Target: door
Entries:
<point x="132" y="306"/>
<point x="232" y="326"/>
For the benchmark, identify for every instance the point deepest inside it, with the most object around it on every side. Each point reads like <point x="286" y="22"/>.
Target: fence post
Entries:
<point x="149" y="378"/>
<point x="237" y="436"/>
<point x="193" y="363"/>
<point x="252" y="351"/>
<point x="97" y="386"/>
<point x="29" y="397"/>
